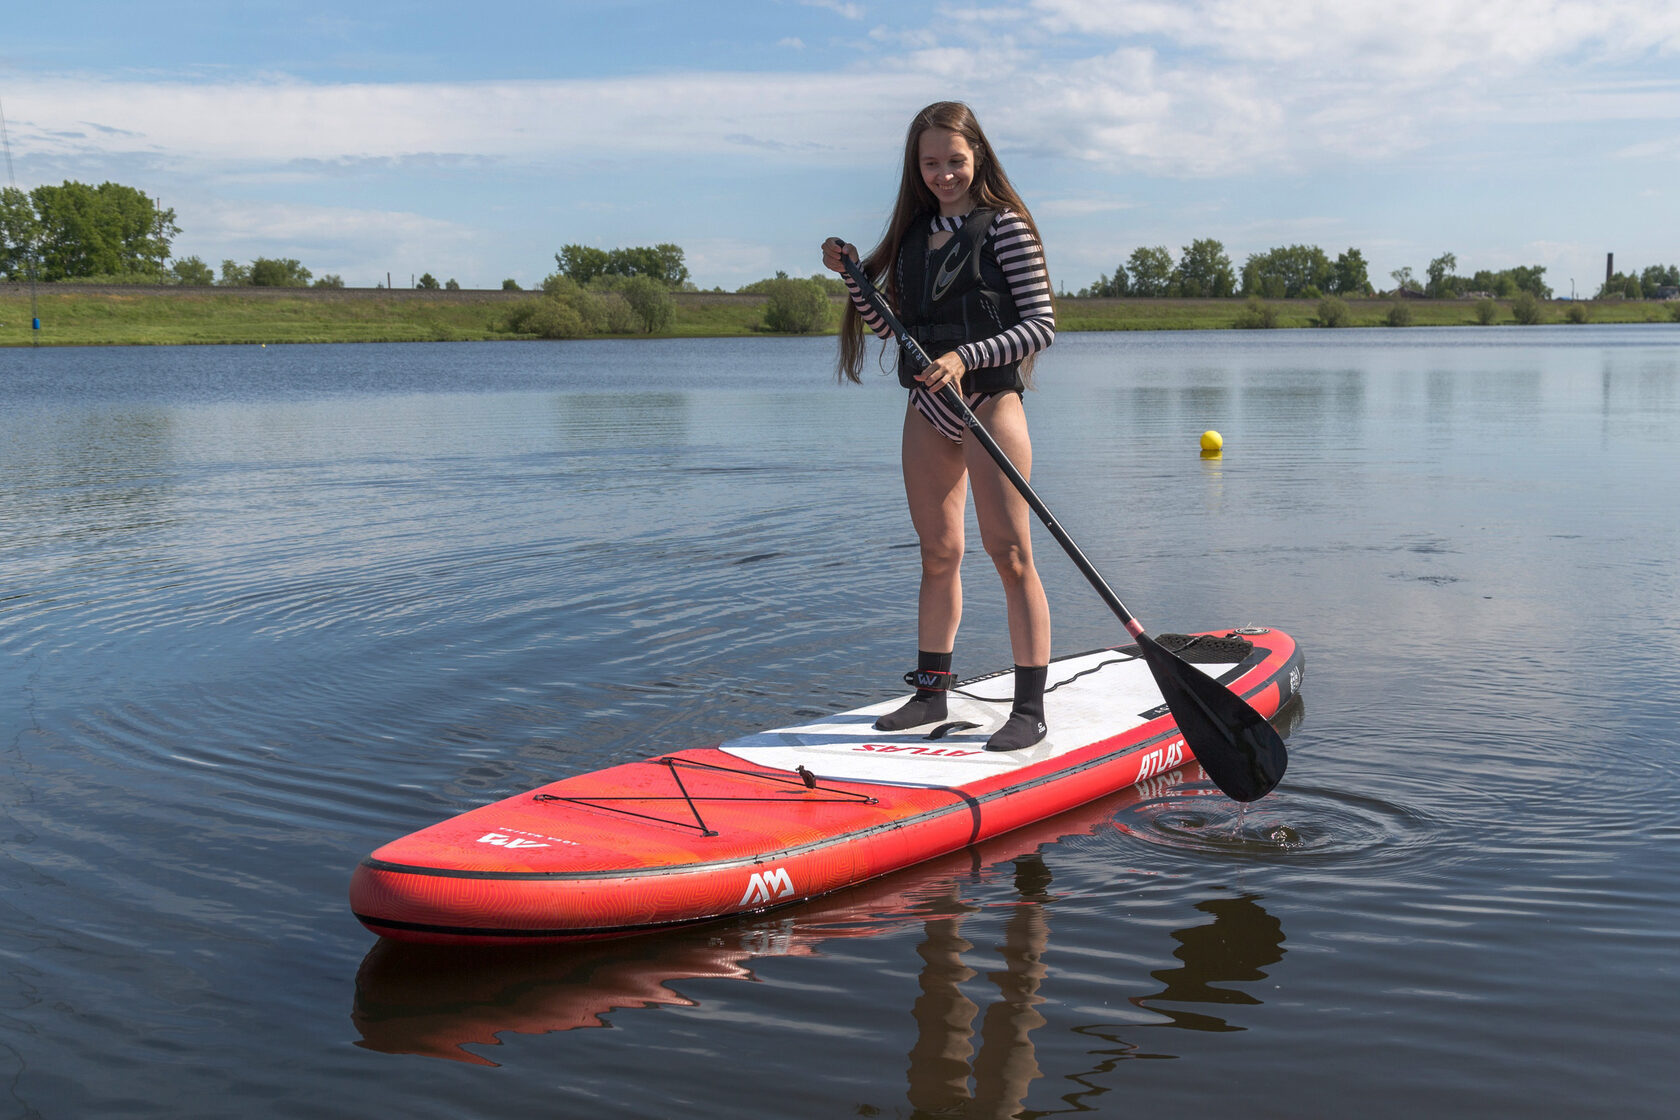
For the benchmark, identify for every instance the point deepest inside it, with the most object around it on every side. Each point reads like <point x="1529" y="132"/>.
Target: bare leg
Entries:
<point x="1006" y="531"/>
<point x="936" y="486"/>
<point x="1006" y="527"/>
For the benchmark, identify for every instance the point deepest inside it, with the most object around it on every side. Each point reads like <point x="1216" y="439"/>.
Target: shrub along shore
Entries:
<point x="88" y="315"/>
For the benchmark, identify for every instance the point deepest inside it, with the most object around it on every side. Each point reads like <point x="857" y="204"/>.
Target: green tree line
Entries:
<point x="76" y="231"/>
<point x="1204" y="270"/>
<point x="264" y="272"/>
<point x="583" y="264"/>
<point x="1645" y="284"/>
<point x="795" y="306"/>
<point x="628" y="291"/>
<point x="1443" y="282"/>
<point x="602" y="291"/>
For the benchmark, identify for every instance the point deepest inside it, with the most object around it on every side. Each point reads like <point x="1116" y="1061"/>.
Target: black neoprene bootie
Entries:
<point x="932" y="679"/>
<point x="1025" y="725"/>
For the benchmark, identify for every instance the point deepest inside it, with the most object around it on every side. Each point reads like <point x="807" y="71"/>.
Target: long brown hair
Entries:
<point x="991" y="190"/>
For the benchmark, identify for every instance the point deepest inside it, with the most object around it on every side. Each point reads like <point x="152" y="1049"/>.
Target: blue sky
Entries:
<point x="474" y="141"/>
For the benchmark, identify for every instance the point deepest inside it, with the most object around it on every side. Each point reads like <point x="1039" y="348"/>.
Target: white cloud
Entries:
<point x="536" y="121"/>
<point x="1218" y="87"/>
<point x="1074" y="208"/>
<point x="845" y="10"/>
<point x="713" y="257"/>
<point x="1418" y="40"/>
<point x="328" y="238"/>
<point x="293" y="223"/>
<point x="1660" y="148"/>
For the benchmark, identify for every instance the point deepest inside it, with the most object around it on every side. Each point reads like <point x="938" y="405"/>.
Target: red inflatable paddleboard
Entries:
<point x="796" y="812"/>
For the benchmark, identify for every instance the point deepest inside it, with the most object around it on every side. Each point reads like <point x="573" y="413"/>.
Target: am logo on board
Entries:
<point x="767" y="885"/>
<point x="501" y="841"/>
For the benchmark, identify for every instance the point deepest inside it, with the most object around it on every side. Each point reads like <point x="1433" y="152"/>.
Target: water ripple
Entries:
<point x="1297" y="822"/>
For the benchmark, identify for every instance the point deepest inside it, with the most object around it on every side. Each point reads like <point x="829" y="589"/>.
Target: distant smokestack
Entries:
<point x="1609" y="267"/>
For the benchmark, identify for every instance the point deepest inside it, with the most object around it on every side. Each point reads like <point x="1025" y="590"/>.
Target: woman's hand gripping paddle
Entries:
<point x="1239" y="749"/>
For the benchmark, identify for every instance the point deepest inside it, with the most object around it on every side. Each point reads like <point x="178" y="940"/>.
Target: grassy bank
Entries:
<point x="94" y="316"/>
<point x="1223" y="314"/>
<point x="77" y="316"/>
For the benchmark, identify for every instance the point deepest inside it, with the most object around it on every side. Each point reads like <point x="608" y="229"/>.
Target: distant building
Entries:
<point x="1667" y="291"/>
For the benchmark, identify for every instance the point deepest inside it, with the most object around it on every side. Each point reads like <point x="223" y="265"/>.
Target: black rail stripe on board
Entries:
<point x="572" y="933"/>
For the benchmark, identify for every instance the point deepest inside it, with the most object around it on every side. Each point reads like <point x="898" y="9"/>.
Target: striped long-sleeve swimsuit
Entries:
<point x="1022" y="261"/>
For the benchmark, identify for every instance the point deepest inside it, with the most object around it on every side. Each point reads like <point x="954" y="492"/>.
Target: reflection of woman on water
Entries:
<point x="1240" y="943"/>
<point x="1006" y="1065"/>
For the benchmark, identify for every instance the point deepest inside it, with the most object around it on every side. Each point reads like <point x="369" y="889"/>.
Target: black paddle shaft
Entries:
<point x="1239" y="749"/>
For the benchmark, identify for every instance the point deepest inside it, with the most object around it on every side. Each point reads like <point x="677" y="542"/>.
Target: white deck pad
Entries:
<point x="1112" y="692"/>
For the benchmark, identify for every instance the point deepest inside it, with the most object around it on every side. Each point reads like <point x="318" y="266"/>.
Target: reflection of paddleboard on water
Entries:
<point x="436" y="1000"/>
<point x="794" y="813"/>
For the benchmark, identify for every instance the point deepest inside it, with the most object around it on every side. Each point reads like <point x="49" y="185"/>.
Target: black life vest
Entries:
<point x="955" y="294"/>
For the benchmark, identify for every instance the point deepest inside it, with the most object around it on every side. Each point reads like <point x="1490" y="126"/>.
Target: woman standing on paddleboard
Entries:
<point x="965" y="273"/>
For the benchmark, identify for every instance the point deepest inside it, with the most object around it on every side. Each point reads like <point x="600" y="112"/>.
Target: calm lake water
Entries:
<point x="263" y="609"/>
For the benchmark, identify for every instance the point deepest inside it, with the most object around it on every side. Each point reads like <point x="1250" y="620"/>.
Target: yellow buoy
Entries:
<point x="1212" y="440"/>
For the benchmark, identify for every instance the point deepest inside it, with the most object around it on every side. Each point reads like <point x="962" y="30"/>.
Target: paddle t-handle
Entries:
<point x="1241" y="751"/>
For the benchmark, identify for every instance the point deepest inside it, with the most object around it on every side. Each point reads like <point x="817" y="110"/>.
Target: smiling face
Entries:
<point x="947" y="164"/>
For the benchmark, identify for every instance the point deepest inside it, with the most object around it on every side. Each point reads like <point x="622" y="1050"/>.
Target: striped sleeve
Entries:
<point x="871" y="318"/>
<point x="1022" y="259"/>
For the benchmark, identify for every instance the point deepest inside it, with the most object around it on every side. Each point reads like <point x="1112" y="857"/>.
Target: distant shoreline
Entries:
<point x="137" y="315"/>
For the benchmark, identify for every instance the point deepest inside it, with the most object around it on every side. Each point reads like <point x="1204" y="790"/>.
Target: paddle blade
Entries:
<point x="1241" y="752"/>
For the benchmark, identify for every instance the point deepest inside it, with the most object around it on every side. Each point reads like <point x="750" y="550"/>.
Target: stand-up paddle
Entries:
<point x="1241" y="752"/>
